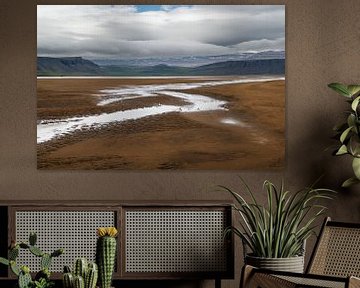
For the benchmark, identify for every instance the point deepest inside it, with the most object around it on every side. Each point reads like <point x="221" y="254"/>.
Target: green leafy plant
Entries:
<point x="279" y="229"/>
<point x="348" y="132"/>
<point x="42" y="278"/>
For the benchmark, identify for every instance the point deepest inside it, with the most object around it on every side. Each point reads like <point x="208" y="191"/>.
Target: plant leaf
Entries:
<point x="355" y="145"/>
<point x="349" y="182"/>
<point x="353" y="89"/>
<point x="340" y="88"/>
<point x="345" y="134"/>
<point x="342" y="150"/>
<point x="355" y="103"/>
<point x="351" y="120"/>
<point x="356" y="167"/>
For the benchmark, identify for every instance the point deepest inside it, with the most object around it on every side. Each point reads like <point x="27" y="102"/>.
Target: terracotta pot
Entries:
<point x="291" y="264"/>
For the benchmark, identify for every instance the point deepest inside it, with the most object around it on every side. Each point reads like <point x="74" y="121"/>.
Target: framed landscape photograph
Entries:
<point x="139" y="87"/>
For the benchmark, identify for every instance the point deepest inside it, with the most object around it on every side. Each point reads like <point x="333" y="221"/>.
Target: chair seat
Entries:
<point x="315" y="282"/>
<point x="268" y="279"/>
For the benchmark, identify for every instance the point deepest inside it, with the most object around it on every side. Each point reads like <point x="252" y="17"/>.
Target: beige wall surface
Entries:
<point x="322" y="46"/>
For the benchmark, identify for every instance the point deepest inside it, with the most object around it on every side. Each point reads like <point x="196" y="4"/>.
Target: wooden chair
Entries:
<point x="335" y="262"/>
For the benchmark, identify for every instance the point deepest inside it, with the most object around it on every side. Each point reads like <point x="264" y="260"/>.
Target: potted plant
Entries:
<point x="348" y="132"/>
<point x="276" y="233"/>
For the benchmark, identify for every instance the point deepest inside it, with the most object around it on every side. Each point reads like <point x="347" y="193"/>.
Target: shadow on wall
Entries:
<point x="313" y="159"/>
<point x="316" y="162"/>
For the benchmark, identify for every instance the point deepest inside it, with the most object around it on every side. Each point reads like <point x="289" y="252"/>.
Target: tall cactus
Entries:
<point x="106" y="254"/>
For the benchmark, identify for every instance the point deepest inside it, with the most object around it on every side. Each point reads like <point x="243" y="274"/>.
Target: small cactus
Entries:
<point x="13" y="253"/>
<point x="57" y="252"/>
<point x="106" y="254"/>
<point x="68" y="280"/>
<point x="79" y="282"/>
<point x="44" y="273"/>
<point x="36" y="251"/>
<point x="25" y="269"/>
<point x="24" y="278"/>
<point x="80" y="267"/>
<point x="24" y="246"/>
<point x="32" y="238"/>
<point x="91" y="276"/>
<point x="14" y="268"/>
<point x="67" y="269"/>
<point x="89" y="272"/>
<point x="4" y="261"/>
<point x="45" y="261"/>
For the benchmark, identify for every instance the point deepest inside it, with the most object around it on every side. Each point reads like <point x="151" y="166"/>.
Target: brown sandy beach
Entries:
<point x="253" y="139"/>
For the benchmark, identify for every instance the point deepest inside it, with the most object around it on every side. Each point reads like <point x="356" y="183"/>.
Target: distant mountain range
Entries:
<point x="191" y="61"/>
<point x="66" y="66"/>
<point x="77" y="66"/>
<point x="245" y="67"/>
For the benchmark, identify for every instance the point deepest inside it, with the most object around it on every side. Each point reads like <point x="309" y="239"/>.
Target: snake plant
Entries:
<point x="348" y="132"/>
<point x="279" y="228"/>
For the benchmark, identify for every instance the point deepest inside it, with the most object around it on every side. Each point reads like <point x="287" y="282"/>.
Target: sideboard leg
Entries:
<point x="217" y="283"/>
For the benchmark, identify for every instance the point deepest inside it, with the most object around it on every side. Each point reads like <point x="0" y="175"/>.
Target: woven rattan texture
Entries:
<point x="267" y="280"/>
<point x="338" y="253"/>
<point x="175" y="241"/>
<point x="75" y="231"/>
<point x="305" y="282"/>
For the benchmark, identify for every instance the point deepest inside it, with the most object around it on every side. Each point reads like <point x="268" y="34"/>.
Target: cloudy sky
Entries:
<point x="129" y="31"/>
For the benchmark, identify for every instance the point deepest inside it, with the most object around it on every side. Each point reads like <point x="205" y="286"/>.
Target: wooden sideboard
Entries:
<point x="157" y="240"/>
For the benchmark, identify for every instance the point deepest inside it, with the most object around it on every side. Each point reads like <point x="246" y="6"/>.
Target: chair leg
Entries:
<point x="217" y="282"/>
<point x="246" y="274"/>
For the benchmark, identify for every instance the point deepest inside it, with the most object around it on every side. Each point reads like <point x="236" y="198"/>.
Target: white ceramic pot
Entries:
<point x="291" y="264"/>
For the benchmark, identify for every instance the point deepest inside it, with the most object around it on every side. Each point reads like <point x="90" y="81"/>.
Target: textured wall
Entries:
<point x="322" y="46"/>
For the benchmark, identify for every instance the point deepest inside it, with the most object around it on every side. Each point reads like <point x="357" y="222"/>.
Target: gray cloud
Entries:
<point x="121" y="32"/>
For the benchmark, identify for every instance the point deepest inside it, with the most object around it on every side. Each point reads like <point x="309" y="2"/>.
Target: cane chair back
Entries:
<point x="337" y="252"/>
<point x="335" y="262"/>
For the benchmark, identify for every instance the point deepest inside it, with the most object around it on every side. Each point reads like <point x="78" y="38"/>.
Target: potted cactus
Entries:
<point x="106" y="254"/>
<point x="42" y="278"/>
<point x="84" y="275"/>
